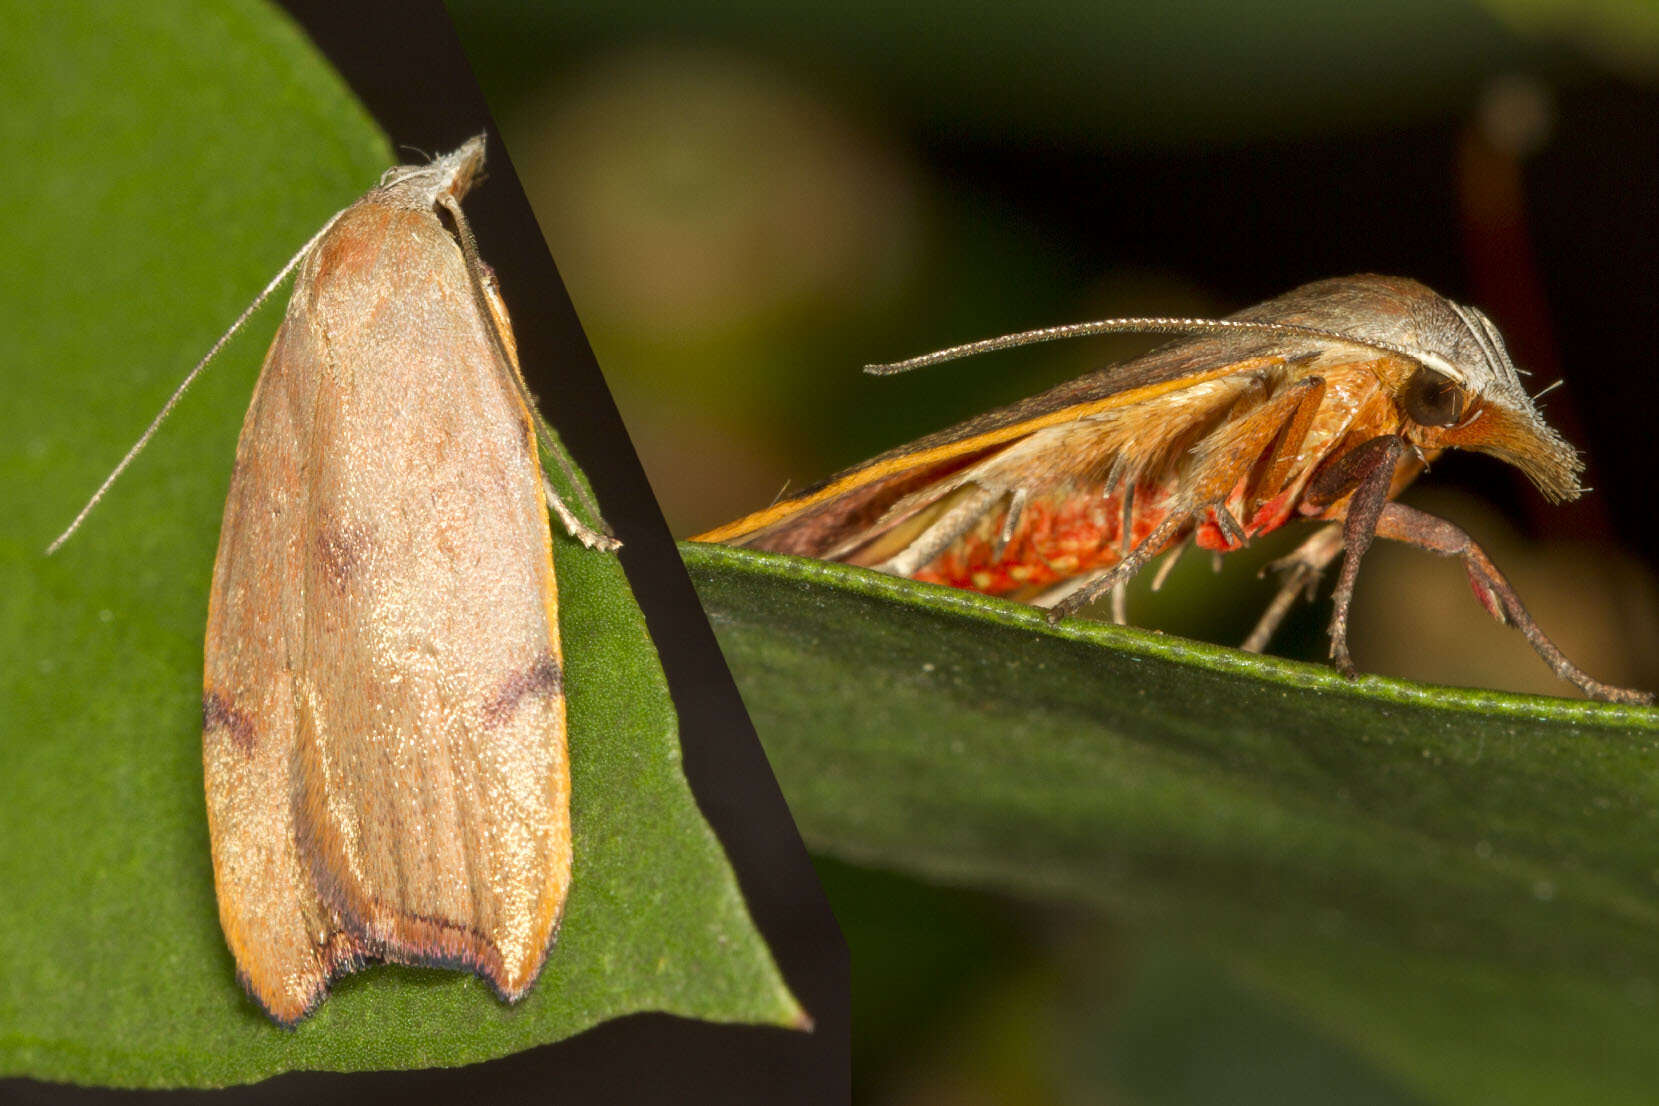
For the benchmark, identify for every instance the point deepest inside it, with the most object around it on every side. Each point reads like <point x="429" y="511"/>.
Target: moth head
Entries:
<point x="1465" y="393"/>
<point x="452" y="174"/>
<point x="1450" y="376"/>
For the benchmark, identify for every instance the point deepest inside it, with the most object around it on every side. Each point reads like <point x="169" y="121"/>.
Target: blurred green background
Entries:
<point x="749" y="202"/>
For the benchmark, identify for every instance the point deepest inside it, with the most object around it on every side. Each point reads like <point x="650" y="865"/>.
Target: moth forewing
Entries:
<point x="1322" y="403"/>
<point x="384" y="717"/>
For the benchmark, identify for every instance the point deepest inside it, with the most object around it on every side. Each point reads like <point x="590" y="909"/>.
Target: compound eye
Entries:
<point x="1433" y="399"/>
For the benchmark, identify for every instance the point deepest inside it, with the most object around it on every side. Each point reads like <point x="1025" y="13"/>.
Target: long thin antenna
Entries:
<point x="190" y="378"/>
<point x="1150" y="325"/>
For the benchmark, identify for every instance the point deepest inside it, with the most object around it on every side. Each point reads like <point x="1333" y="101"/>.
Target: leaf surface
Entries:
<point x="1462" y="885"/>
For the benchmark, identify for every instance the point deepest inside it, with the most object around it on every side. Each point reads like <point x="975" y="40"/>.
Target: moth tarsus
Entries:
<point x="1299" y="574"/>
<point x="1436" y="535"/>
<point x="1320" y="404"/>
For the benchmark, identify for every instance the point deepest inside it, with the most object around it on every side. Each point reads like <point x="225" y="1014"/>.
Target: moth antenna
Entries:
<point x="600" y="538"/>
<point x="1148" y="325"/>
<point x="1547" y="389"/>
<point x="190" y="378"/>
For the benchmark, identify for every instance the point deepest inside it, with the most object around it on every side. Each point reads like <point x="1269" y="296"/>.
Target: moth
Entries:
<point x="383" y="716"/>
<point x="1320" y="404"/>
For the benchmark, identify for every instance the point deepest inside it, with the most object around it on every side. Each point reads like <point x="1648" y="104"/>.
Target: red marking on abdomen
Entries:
<point x="1069" y="535"/>
<point x="1056" y="539"/>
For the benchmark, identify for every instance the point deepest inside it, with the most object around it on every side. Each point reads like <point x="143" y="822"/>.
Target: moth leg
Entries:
<point x="940" y="534"/>
<point x="574" y="526"/>
<point x="1010" y="523"/>
<point x="1126" y="537"/>
<point x="1071" y="585"/>
<point x="1168" y="566"/>
<point x="1120" y="603"/>
<point x="1124" y="569"/>
<point x="1299" y="575"/>
<point x="1229" y="526"/>
<point x="1425" y="531"/>
<point x="486" y="293"/>
<point x="1282" y="457"/>
<point x="1369" y="469"/>
<point x="1066" y="588"/>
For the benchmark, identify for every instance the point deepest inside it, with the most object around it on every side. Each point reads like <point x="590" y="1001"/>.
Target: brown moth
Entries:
<point x="1322" y="403"/>
<point x="383" y="712"/>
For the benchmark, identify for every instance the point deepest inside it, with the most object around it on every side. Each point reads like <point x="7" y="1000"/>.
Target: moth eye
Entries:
<point x="1433" y="399"/>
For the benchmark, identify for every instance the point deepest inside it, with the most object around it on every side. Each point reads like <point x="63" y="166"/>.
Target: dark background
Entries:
<point x="749" y="201"/>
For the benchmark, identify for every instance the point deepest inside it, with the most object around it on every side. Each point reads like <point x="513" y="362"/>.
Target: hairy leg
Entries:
<point x="1404" y="524"/>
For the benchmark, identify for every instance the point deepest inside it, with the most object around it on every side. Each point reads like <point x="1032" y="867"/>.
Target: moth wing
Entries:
<point x="432" y="771"/>
<point x="413" y="787"/>
<point x="905" y="490"/>
<point x="285" y="944"/>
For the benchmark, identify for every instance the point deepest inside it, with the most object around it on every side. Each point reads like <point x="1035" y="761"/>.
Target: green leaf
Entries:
<point x="167" y="158"/>
<point x="1462" y="885"/>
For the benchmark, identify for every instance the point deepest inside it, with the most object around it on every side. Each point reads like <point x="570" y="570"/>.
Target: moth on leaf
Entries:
<point x="1323" y="404"/>
<point x="383" y="712"/>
